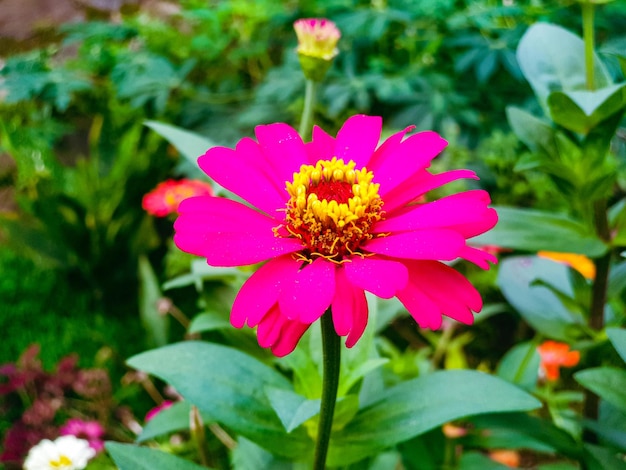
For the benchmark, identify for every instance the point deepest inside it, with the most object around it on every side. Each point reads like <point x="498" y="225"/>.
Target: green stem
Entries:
<point x="306" y="123"/>
<point x="598" y="301"/>
<point x="588" y="10"/>
<point x="331" y="349"/>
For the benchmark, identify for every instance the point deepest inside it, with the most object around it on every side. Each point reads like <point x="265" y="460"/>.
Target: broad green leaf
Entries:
<point x="132" y="457"/>
<point x="291" y="408"/>
<point x="535" y="428"/>
<point x="155" y="323"/>
<point x="208" y="321"/>
<point x="478" y="461"/>
<point x="248" y="456"/>
<point x="520" y="365"/>
<point x="552" y="58"/>
<point x="229" y="386"/>
<point x="425" y="452"/>
<point x="580" y="111"/>
<point x="618" y="339"/>
<point x="603" y="458"/>
<point x="609" y="383"/>
<point x="416" y="406"/>
<point x="174" y="418"/>
<point x="533" y="230"/>
<point x="537" y="134"/>
<point x="189" y="144"/>
<point x="522" y="280"/>
<point x="558" y="466"/>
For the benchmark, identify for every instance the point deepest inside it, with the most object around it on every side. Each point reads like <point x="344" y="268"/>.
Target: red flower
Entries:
<point x="167" y="196"/>
<point x="337" y="217"/>
<point x="555" y="355"/>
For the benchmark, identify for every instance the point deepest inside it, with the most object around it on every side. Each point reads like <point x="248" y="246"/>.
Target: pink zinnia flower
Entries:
<point x="336" y="217"/>
<point x="167" y="196"/>
<point x="91" y="431"/>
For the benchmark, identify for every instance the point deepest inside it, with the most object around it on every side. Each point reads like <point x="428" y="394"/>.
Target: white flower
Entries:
<point x="64" y="453"/>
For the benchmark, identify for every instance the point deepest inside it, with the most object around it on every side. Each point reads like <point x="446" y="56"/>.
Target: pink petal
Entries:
<point x="388" y="147"/>
<point x="291" y="333"/>
<point x="310" y="293"/>
<point x="453" y="294"/>
<point x="477" y="256"/>
<point x="349" y="309"/>
<point x="268" y="331"/>
<point x="322" y="147"/>
<point x="283" y="150"/>
<point x="464" y="212"/>
<point x="228" y="233"/>
<point x="419" y="184"/>
<point x="426" y="313"/>
<point x="378" y="276"/>
<point x="245" y="172"/>
<point x="260" y="292"/>
<point x="279" y="333"/>
<point x="343" y="303"/>
<point x="412" y="155"/>
<point x="360" y="316"/>
<point x="358" y="138"/>
<point x="423" y="244"/>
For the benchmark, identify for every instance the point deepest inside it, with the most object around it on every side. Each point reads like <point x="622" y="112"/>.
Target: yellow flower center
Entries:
<point x="332" y="209"/>
<point x="63" y="462"/>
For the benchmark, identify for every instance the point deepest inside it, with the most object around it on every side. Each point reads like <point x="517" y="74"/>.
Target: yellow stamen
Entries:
<point x="332" y="209"/>
<point x="63" y="461"/>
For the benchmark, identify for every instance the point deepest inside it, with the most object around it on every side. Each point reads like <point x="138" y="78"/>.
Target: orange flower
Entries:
<point x="555" y="355"/>
<point x="510" y="458"/>
<point x="166" y="197"/>
<point x="580" y="263"/>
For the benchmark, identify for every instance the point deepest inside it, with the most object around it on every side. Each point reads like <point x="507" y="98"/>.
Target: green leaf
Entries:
<point x="535" y="428"/>
<point x="189" y="144"/>
<point x="520" y="365"/>
<point x="552" y="58"/>
<point x="208" y="321"/>
<point x="602" y="458"/>
<point x="581" y="111"/>
<point x="229" y="386"/>
<point x="291" y="408"/>
<point x="156" y="324"/>
<point x="533" y="230"/>
<point x="248" y="456"/>
<point x="618" y="339"/>
<point x="416" y="406"/>
<point x="478" y="461"/>
<point x="132" y="457"/>
<point x="609" y="383"/>
<point x="174" y="418"/>
<point x="537" y="134"/>
<point x="536" y="303"/>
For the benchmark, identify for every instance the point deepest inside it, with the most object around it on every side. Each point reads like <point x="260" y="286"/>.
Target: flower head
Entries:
<point x="337" y="217"/>
<point x="317" y="37"/>
<point x="580" y="263"/>
<point x="64" y="453"/>
<point x="317" y="46"/>
<point x="555" y="355"/>
<point x="91" y="431"/>
<point x="167" y="196"/>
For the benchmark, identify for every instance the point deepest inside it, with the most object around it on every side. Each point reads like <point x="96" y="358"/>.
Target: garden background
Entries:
<point x="100" y="101"/>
